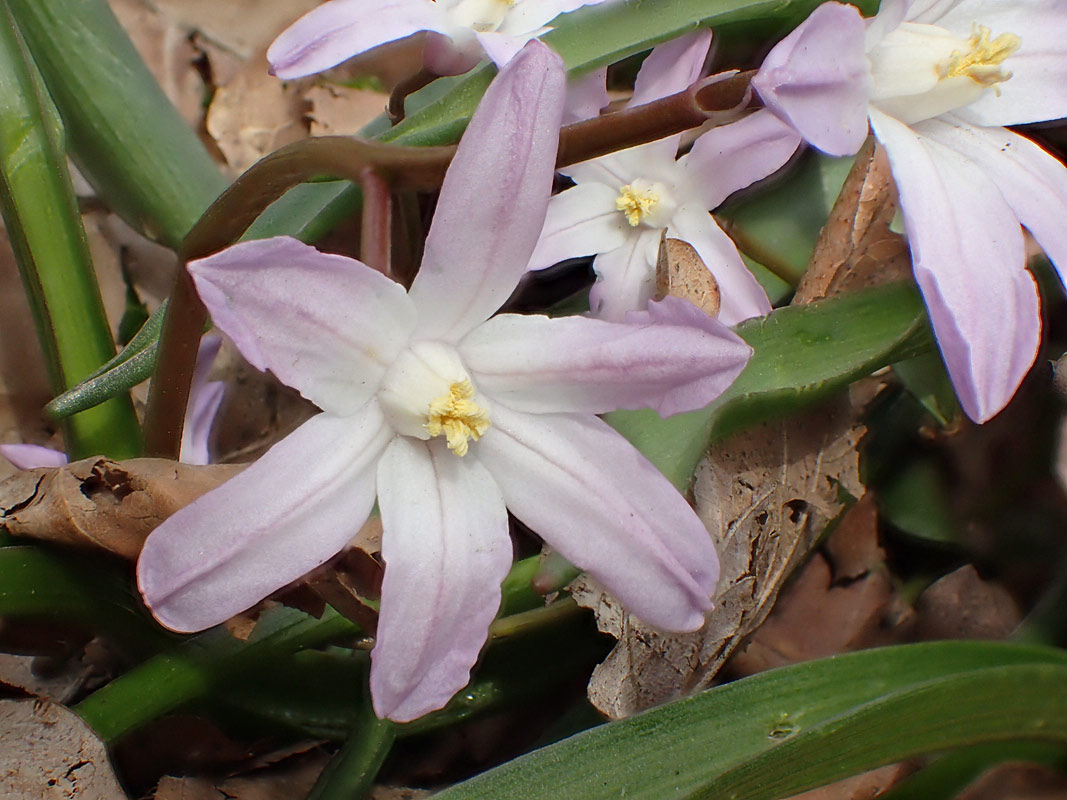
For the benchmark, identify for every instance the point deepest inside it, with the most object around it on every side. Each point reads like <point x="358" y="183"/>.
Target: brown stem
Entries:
<point x="376" y="239"/>
<point x="168" y="394"/>
<point x="395" y="109"/>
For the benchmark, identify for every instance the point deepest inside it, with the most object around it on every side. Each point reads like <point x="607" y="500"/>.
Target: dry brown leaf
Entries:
<point x="867" y="786"/>
<point x="765" y="495"/>
<point x="963" y="606"/>
<point x="338" y="110"/>
<point x="1017" y="781"/>
<point x="856" y="249"/>
<point x="681" y="272"/>
<point x="97" y="502"/>
<point x="254" y="114"/>
<point x="47" y="751"/>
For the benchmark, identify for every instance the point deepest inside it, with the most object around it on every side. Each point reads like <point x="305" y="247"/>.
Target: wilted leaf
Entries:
<point x="765" y="495"/>
<point x="856" y="248"/>
<point x="47" y="751"/>
<point x="963" y="606"/>
<point x="97" y="502"/>
<point x="681" y="272"/>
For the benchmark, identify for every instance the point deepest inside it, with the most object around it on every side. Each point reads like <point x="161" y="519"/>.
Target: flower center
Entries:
<point x="457" y="417"/>
<point x="982" y="62"/>
<point x="637" y="202"/>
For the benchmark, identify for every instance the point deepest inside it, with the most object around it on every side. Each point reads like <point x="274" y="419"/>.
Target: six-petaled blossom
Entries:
<point x="623" y="201"/>
<point x="205" y="397"/>
<point x="449" y="416"/>
<point x="461" y="32"/>
<point x="936" y="79"/>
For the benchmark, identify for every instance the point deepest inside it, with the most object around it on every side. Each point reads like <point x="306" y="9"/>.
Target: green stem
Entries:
<point x="352" y="771"/>
<point x="42" y="219"/>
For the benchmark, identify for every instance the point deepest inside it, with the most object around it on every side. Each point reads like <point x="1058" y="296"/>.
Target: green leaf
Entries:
<point x="795" y="728"/>
<point x="124" y="134"/>
<point x="41" y="215"/>
<point x="802" y="354"/>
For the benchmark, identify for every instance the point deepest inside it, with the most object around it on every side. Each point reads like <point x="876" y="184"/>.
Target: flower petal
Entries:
<point x="1032" y="181"/>
<point x="326" y="325"/>
<point x="340" y="29"/>
<point x="527" y="15"/>
<point x="494" y="197"/>
<point x="32" y="456"/>
<point x="731" y="157"/>
<point x="625" y="276"/>
<point x="286" y="514"/>
<point x="586" y="95"/>
<point x="967" y="248"/>
<point x="742" y="295"/>
<point x="593" y="497"/>
<point x="817" y="79"/>
<point x="446" y="549"/>
<point x="581" y="221"/>
<point x="671" y="67"/>
<point x="1037" y="90"/>
<point x="205" y="397"/>
<point x="672" y="358"/>
<point x="501" y="48"/>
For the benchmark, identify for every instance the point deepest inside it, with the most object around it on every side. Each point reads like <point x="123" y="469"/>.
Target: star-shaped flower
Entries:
<point x="449" y="418"/>
<point x="936" y="79"/>
<point x="624" y="201"/>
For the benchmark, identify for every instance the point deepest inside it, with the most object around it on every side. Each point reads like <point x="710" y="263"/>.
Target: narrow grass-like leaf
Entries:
<point x="803" y="354"/>
<point x="44" y="226"/>
<point x="794" y="728"/>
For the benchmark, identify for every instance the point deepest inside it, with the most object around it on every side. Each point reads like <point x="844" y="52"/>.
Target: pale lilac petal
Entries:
<point x="890" y="14"/>
<point x="33" y="456"/>
<point x="501" y="48"/>
<point x="614" y="170"/>
<point x="731" y="157"/>
<point x="584" y="489"/>
<point x="446" y="549"/>
<point x="626" y="276"/>
<point x="286" y="514"/>
<point x="326" y="325"/>
<point x="581" y="221"/>
<point x="451" y="55"/>
<point x="671" y="358"/>
<point x="1032" y="181"/>
<point x="205" y="397"/>
<point x="340" y="29"/>
<point x="928" y="12"/>
<point x="671" y="67"/>
<point x="1037" y="90"/>
<point x="742" y="296"/>
<point x="818" y="80"/>
<point x="528" y="15"/>
<point x="967" y="248"/>
<point x="586" y="95"/>
<point x="493" y="201"/>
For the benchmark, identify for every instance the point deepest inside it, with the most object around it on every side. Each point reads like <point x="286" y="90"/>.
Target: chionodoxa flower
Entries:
<point x="448" y="417"/>
<point x="937" y="79"/>
<point x="460" y="31"/>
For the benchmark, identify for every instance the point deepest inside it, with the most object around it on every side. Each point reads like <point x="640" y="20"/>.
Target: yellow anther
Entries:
<point x="636" y="203"/>
<point x="458" y="417"/>
<point x="982" y="62"/>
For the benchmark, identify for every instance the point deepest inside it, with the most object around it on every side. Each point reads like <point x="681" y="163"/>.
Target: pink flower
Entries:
<point x="462" y="32"/>
<point x="936" y="79"/>
<point x="623" y="202"/>
<point x="449" y="418"/>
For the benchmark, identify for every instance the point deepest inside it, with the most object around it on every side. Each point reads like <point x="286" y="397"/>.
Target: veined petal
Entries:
<point x="501" y="48"/>
<point x="600" y="503"/>
<point x="625" y="276"/>
<point x="742" y="295"/>
<point x="32" y="456"/>
<point x="731" y="157"/>
<point x="1037" y="89"/>
<point x="340" y="29"/>
<point x="967" y="248"/>
<point x="205" y="397"/>
<point x="1032" y="181"/>
<point x="817" y="79"/>
<point x="493" y="201"/>
<point x="586" y="95"/>
<point x="581" y="221"/>
<point x="671" y="67"/>
<point x="324" y="324"/>
<point x="672" y="358"/>
<point x="446" y="549"/>
<point x="286" y="514"/>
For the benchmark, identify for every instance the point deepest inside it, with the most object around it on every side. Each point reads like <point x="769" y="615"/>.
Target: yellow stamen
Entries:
<point x="458" y="417"/>
<point x="981" y="63"/>
<point x="635" y="203"/>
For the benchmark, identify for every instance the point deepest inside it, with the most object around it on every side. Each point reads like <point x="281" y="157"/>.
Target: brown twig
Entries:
<point x="376" y="234"/>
